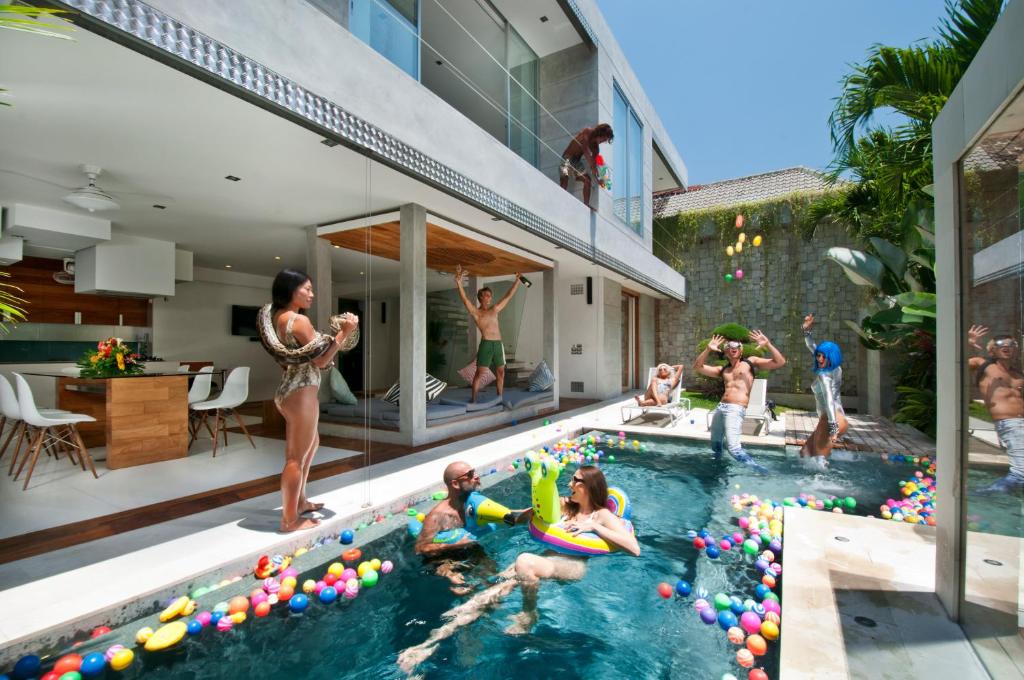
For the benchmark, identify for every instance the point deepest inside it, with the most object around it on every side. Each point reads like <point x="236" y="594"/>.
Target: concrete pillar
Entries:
<point x="872" y="383"/>
<point x="550" y="325"/>
<point x="472" y="332"/>
<point x="413" y="323"/>
<point x="318" y="266"/>
<point x="949" y="434"/>
<point x="609" y="358"/>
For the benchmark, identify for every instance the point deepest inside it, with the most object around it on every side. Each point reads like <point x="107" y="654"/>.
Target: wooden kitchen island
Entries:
<point x="140" y="419"/>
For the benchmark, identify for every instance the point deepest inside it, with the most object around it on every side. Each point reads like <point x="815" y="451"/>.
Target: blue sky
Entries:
<point x="746" y="87"/>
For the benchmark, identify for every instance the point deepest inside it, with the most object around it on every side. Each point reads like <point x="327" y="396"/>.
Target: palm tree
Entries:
<point x="892" y="166"/>
<point x="26" y="19"/>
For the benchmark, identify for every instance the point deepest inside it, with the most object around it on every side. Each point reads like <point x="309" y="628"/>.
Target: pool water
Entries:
<point x="612" y="623"/>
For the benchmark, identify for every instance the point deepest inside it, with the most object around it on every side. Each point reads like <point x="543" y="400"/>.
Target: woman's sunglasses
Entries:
<point x="574" y="480"/>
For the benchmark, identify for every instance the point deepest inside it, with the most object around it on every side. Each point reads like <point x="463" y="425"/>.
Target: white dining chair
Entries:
<point x="11" y="421"/>
<point x="184" y="368"/>
<point x="200" y="391"/>
<point x="58" y="428"/>
<point x="234" y="394"/>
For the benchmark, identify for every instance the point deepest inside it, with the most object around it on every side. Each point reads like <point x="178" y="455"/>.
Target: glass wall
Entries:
<point x="391" y="27"/>
<point x="992" y="262"/>
<point x="524" y="72"/>
<point x="627" y="163"/>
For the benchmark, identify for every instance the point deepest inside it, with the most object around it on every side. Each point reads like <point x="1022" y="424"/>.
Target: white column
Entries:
<point x="472" y="332"/>
<point x="413" y="323"/>
<point x="550" y="329"/>
<point x="318" y="266"/>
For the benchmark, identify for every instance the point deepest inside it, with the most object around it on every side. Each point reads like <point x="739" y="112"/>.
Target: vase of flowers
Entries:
<point x="110" y="359"/>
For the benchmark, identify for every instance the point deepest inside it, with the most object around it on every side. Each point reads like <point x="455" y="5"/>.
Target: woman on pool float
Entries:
<point x="583" y="511"/>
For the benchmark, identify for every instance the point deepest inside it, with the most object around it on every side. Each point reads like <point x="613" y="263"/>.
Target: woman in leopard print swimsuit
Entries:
<point x="296" y="398"/>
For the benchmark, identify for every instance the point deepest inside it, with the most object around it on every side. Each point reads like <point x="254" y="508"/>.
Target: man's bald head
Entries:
<point x="455" y="470"/>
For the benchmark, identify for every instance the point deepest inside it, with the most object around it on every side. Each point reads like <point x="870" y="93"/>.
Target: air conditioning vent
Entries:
<point x="576" y="386"/>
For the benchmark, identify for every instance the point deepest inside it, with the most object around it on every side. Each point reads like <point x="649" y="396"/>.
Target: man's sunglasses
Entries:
<point x="470" y="474"/>
<point x="1005" y="342"/>
<point x="732" y="344"/>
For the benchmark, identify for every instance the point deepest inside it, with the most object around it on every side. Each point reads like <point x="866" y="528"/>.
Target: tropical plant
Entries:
<point x="891" y="166"/>
<point x="26" y="19"/>
<point x="10" y="304"/>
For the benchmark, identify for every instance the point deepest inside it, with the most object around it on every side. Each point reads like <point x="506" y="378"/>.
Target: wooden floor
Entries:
<point x="55" y="538"/>
<point x="866" y="433"/>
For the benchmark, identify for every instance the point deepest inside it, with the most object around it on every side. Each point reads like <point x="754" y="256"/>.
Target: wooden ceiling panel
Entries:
<point x="445" y="250"/>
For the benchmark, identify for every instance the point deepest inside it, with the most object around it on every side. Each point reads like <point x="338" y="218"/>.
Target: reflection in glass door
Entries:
<point x="992" y="256"/>
<point x="630" y="342"/>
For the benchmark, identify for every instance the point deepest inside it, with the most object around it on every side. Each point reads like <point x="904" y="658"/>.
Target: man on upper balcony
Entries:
<point x="584" y="147"/>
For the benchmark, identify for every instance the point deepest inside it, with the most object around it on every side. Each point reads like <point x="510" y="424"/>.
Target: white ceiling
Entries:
<point x="543" y="37"/>
<point x="163" y="137"/>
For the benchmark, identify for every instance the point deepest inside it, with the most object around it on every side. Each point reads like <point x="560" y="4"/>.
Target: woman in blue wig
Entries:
<point x="828" y="382"/>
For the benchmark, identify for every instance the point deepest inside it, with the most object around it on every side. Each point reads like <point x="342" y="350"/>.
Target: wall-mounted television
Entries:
<point x="243" y="321"/>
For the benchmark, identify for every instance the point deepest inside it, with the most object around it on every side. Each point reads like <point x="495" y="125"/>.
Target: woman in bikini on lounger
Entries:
<point x="658" y="390"/>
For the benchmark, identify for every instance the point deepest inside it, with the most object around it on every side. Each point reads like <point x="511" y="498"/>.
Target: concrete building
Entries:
<point x="375" y="143"/>
<point x="979" y="190"/>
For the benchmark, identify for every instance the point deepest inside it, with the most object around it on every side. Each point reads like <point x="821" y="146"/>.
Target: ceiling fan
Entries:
<point x="91" y="196"/>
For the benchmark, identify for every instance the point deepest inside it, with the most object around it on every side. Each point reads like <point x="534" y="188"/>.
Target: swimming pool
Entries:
<point x="612" y="623"/>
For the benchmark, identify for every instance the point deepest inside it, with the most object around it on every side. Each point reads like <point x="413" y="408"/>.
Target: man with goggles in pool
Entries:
<point x="460" y="480"/>
<point x="1000" y="383"/>
<point x="738" y="376"/>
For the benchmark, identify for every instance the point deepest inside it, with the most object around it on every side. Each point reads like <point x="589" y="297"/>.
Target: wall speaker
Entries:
<point x="590" y="290"/>
<point x="383" y="313"/>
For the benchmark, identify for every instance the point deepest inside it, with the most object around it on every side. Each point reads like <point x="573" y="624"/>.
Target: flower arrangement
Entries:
<point x="110" y="358"/>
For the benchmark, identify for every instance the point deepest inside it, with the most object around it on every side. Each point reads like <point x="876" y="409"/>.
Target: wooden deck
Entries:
<point x="866" y="433"/>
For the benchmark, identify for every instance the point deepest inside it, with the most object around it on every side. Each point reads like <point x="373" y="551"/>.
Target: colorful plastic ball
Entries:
<point x="757" y="645"/>
<point x="665" y="590"/>
<point x="238" y="604"/>
<point x="328" y="595"/>
<point x="701" y="603"/>
<point x="712" y="552"/>
<point x="722" y="602"/>
<point x="336" y="568"/>
<point x="204" y="618"/>
<point x="725" y="544"/>
<point x="750" y="622"/>
<point x="775" y="546"/>
<point x="760" y="565"/>
<point x="726" y="619"/>
<point x="257" y="596"/>
<point x="330" y="579"/>
<point x="290" y="572"/>
<point x="70" y="675"/>
<point x="769" y="630"/>
<point x="348" y="575"/>
<point x="346" y="537"/>
<point x="122" y="659"/>
<point x="29" y="666"/>
<point x="221" y="607"/>
<point x="386" y="567"/>
<point x="772" y="604"/>
<point x="739" y="273"/>
<point x="728" y="278"/>
<point x="739" y="247"/>
<point x="369" y="578"/>
<point x="98" y="631"/>
<point x="111" y="651"/>
<point x="736" y="605"/>
<point x="759" y="609"/>
<point x="768" y="580"/>
<point x="375" y="564"/>
<point x="194" y="627"/>
<point x="745" y="657"/>
<point x="699" y="543"/>
<point x="750" y="546"/>
<point x="140" y="637"/>
<point x="683" y="588"/>
<point x="237" y="618"/>
<point x="320" y="585"/>
<point x="72" y="662"/>
<point x="757" y="241"/>
<point x="735" y="635"/>
<point x="261" y="610"/>
<point x="757" y="674"/>
<point x="225" y="624"/>
<point x="284" y="594"/>
<point x="729" y="251"/>
<point x="298" y="603"/>
<point x="773" y="617"/>
<point x="729" y="676"/>
<point x="739" y="221"/>
<point x="708" y="615"/>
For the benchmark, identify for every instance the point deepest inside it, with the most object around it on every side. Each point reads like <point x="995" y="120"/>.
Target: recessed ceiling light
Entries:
<point x="227" y="266"/>
<point x="337" y="246"/>
<point x="543" y="19"/>
<point x="328" y="142"/>
<point x="159" y="207"/>
<point x="360" y="273"/>
<point x="277" y="257"/>
<point x="232" y="178"/>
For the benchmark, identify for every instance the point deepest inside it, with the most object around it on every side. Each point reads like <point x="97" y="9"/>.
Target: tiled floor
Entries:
<point x="859" y="602"/>
<point x="866" y="433"/>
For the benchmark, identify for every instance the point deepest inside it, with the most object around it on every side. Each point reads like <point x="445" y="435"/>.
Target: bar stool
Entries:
<point x="234" y="394"/>
<point x="10" y="417"/>
<point x="57" y="428"/>
<point x="200" y="391"/>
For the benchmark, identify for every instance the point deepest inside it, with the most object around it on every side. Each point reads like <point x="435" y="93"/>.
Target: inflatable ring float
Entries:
<point x="166" y="636"/>
<point x="546" y="525"/>
<point x="351" y="555"/>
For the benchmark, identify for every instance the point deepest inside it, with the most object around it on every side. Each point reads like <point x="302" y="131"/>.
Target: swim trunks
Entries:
<point x="490" y="353"/>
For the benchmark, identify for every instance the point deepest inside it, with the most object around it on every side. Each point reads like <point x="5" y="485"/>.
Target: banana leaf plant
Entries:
<point x="26" y="19"/>
<point x="902" y="278"/>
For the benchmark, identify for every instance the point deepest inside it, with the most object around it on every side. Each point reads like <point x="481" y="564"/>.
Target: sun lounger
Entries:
<point x="675" y="408"/>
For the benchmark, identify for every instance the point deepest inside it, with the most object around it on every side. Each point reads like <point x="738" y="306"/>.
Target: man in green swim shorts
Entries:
<point x="491" y="351"/>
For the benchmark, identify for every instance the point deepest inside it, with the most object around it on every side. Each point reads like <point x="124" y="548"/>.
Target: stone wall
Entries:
<point x="784" y="279"/>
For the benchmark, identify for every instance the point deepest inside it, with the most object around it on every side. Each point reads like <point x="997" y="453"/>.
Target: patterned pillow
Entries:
<point x="469" y="371"/>
<point x="542" y="379"/>
<point x="433" y="387"/>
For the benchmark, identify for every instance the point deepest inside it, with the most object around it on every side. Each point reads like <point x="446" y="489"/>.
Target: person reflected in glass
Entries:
<point x="297" y="396"/>
<point x="827" y="387"/>
<point x="1000" y="382"/>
